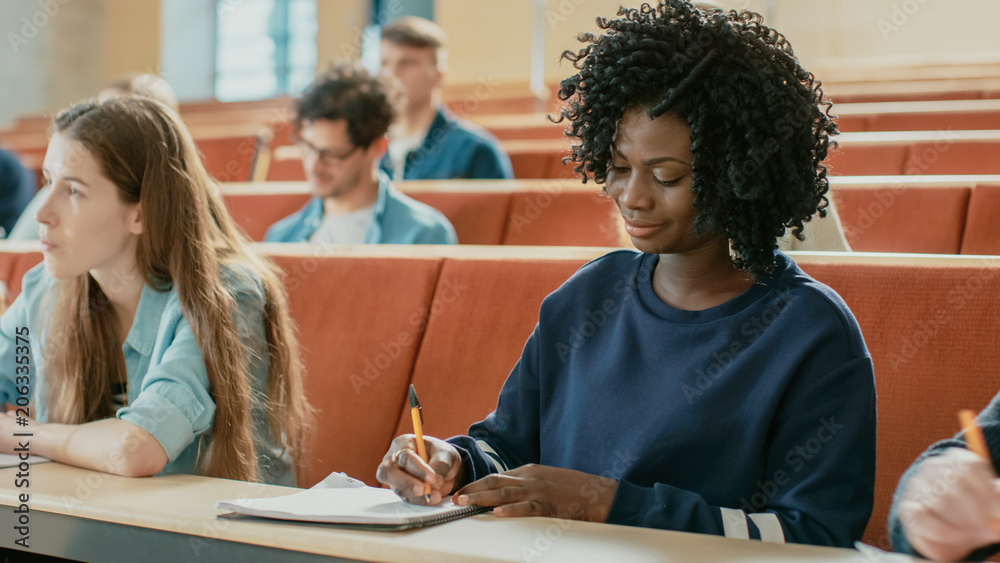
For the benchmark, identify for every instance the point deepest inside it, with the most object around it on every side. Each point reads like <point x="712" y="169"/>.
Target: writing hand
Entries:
<point x="539" y="490"/>
<point x="949" y="506"/>
<point x="405" y="473"/>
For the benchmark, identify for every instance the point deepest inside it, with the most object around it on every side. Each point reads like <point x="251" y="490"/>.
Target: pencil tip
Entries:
<point x="414" y="403"/>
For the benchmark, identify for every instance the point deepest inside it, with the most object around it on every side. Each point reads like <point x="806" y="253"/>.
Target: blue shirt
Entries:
<point x="398" y="219"/>
<point x="17" y="187"/>
<point x="167" y="381"/>
<point x="752" y="419"/>
<point x="454" y="149"/>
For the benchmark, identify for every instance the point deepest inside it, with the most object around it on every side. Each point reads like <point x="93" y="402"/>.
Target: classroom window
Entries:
<point x="264" y="48"/>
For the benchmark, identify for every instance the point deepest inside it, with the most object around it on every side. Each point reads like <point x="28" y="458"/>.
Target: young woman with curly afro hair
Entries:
<point x="705" y="383"/>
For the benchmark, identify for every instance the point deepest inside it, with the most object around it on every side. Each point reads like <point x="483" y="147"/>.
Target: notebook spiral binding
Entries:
<point x="470" y="510"/>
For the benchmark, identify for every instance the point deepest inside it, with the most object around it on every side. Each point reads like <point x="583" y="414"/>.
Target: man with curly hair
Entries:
<point x="340" y="125"/>
<point x="705" y="383"/>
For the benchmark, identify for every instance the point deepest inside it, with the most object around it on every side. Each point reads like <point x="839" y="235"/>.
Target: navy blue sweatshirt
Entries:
<point x="752" y="419"/>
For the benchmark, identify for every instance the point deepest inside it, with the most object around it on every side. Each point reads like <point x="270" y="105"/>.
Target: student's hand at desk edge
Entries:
<point x="405" y="473"/>
<point x="948" y="506"/>
<point x="539" y="490"/>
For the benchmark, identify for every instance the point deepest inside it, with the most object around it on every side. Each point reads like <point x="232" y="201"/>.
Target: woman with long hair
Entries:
<point x="705" y="383"/>
<point x="152" y="339"/>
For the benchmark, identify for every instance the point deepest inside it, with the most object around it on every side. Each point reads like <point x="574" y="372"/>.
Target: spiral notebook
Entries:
<point x="365" y="508"/>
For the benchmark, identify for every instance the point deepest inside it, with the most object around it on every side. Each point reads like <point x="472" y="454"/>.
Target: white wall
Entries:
<point x="70" y="55"/>
<point x="498" y="39"/>
<point x="821" y="29"/>
<point x="50" y="54"/>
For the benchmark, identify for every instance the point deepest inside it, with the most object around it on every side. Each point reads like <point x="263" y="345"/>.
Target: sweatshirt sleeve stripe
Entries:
<point x="769" y="527"/>
<point x="734" y="523"/>
<point x="492" y="455"/>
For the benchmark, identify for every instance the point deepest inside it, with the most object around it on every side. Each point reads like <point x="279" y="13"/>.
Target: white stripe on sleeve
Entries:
<point x="493" y="455"/>
<point x="734" y="523"/>
<point x="769" y="526"/>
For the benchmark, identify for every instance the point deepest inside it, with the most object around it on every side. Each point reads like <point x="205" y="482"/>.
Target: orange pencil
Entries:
<point x="976" y="441"/>
<point x="418" y="420"/>
<point x="973" y="434"/>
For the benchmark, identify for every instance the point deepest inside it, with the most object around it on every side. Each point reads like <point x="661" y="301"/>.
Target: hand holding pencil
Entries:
<point x="951" y="505"/>
<point x="977" y="444"/>
<point x="418" y="426"/>
<point x="419" y="468"/>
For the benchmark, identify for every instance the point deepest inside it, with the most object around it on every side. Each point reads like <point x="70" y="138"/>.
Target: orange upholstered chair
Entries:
<point x="254" y="213"/>
<point x="865" y="160"/>
<point x="360" y="322"/>
<point x="482" y="314"/>
<point x="284" y="168"/>
<point x="914" y="95"/>
<point x="229" y="159"/>
<point x="928" y="121"/>
<point x="478" y="217"/>
<point x="982" y="225"/>
<point x="957" y="157"/>
<point x="931" y="332"/>
<point x="537" y="158"/>
<point x="563" y="218"/>
<point x="923" y="219"/>
<point x="530" y="165"/>
<point x="520" y="126"/>
<point x="854" y="123"/>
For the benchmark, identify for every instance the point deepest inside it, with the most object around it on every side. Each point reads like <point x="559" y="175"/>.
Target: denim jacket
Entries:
<point x="167" y="380"/>
<point x="398" y="219"/>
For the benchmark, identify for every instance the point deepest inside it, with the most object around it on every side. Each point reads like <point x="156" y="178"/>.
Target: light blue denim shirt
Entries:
<point x="398" y="219"/>
<point x="167" y="380"/>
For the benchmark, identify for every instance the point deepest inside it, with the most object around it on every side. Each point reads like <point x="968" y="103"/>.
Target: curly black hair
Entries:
<point x="347" y="91"/>
<point x="760" y="124"/>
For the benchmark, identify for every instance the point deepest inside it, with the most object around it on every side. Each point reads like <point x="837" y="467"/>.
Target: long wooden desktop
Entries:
<point x="92" y="516"/>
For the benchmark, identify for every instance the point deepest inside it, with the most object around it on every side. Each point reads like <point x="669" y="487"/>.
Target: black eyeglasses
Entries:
<point x="326" y="156"/>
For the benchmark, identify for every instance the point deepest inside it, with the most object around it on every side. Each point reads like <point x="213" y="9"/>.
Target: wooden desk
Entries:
<point x="93" y="516"/>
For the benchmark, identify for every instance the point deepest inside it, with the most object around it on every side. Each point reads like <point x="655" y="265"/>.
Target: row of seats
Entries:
<point x="253" y="147"/>
<point x="499" y="212"/>
<point x="919" y="116"/>
<point x="453" y="321"/>
<point x="859" y="154"/>
<point x="937" y="215"/>
<point x="921" y="214"/>
<point x="854" y="117"/>
<point x="916" y="153"/>
<point x="229" y="153"/>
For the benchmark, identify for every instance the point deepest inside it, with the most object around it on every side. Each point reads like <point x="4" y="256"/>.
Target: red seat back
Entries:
<point x="482" y="314"/>
<point x="563" y="218"/>
<point x="228" y="159"/>
<point x="903" y="219"/>
<point x="982" y="226"/>
<point x="931" y="334"/>
<point x="360" y="323"/>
